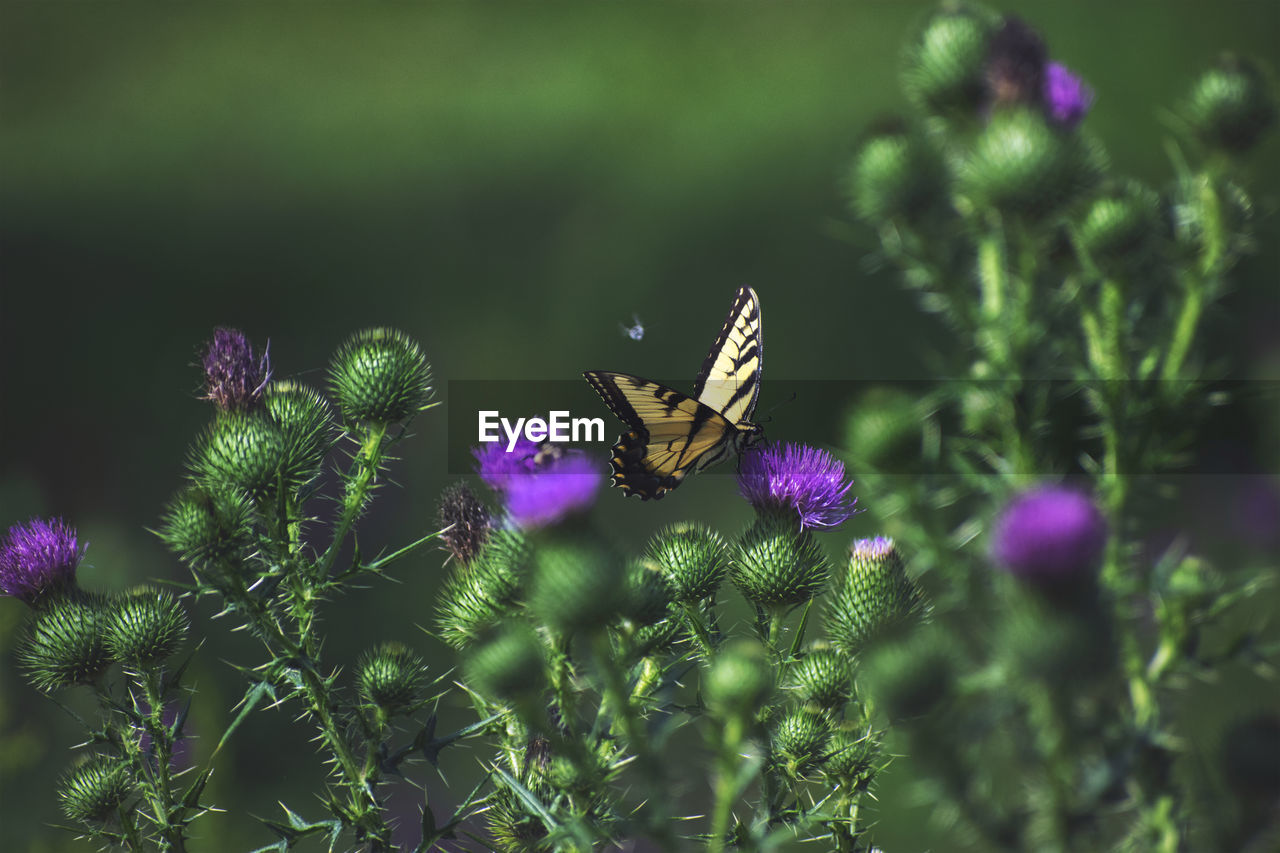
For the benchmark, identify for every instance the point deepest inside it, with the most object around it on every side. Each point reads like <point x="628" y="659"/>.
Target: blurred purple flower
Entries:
<point x="811" y="482"/>
<point x="1066" y="97"/>
<point x="37" y="558"/>
<point x="1048" y="534"/>
<point x="234" y="375"/>
<point x="1257" y="512"/>
<point x="540" y="484"/>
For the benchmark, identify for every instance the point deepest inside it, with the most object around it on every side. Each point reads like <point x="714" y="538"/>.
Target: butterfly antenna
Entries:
<point x="769" y="415"/>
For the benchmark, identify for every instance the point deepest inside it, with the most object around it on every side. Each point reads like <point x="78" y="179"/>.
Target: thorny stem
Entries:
<point x="172" y="834"/>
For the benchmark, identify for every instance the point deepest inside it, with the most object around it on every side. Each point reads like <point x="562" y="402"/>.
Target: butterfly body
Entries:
<point x="673" y="434"/>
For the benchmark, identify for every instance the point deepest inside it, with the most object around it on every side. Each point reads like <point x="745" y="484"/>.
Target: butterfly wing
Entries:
<point x="729" y="381"/>
<point x="670" y="433"/>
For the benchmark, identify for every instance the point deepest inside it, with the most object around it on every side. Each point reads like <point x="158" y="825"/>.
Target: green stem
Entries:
<point x="698" y="629"/>
<point x="1184" y="330"/>
<point x="734" y="729"/>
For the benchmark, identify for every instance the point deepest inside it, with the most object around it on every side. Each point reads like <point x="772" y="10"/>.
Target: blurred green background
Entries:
<point x="506" y="183"/>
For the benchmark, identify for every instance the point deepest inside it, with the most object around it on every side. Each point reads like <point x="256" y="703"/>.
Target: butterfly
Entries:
<point x="672" y="434"/>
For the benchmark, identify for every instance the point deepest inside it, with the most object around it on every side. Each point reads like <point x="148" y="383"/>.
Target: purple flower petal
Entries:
<point x="234" y="375"/>
<point x="1066" y="97"/>
<point x="540" y="485"/>
<point x="1049" y="533"/>
<point x="797" y="477"/>
<point x="37" y="558"/>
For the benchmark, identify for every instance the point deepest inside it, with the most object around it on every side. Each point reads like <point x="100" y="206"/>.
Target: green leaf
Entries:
<point x="252" y="697"/>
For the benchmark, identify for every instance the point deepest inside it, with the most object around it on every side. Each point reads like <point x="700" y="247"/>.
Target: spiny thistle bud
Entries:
<point x="1046" y="641"/>
<point x="144" y="628"/>
<point x="1015" y="67"/>
<point x="1120" y="227"/>
<point x="204" y="528"/>
<point x="910" y="677"/>
<point x="795" y="480"/>
<point x="39" y="559"/>
<point x="1232" y="105"/>
<point x="480" y="594"/>
<point x="800" y="738"/>
<point x="893" y="174"/>
<point x="91" y="791"/>
<point x="576" y="586"/>
<point x="1020" y="164"/>
<point x="873" y="598"/>
<point x="513" y="829"/>
<point x="390" y="676"/>
<point x="1049" y="535"/>
<point x="64" y="645"/>
<point x="380" y="376"/>
<point x="740" y="680"/>
<point x="822" y="676"/>
<point x="304" y="419"/>
<point x="234" y="374"/>
<point x="777" y="563"/>
<point x="648" y="594"/>
<point x="851" y="756"/>
<point x="464" y="520"/>
<point x="509" y="667"/>
<point x="883" y="428"/>
<point x="693" y="557"/>
<point x="943" y="73"/>
<point x="242" y="452"/>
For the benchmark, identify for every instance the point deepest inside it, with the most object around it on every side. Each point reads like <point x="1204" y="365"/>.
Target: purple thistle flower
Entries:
<point x="37" y="558"/>
<point x="874" y="550"/>
<point x="1048" y="534"/>
<point x="234" y="375"/>
<point x="540" y="484"/>
<point x="1066" y="97"/>
<point x="799" y="478"/>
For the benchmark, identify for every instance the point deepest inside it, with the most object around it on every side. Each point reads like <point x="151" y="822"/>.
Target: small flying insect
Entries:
<point x="635" y="331"/>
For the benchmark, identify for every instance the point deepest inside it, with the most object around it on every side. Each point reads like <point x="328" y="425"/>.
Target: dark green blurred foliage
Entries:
<point x="505" y="184"/>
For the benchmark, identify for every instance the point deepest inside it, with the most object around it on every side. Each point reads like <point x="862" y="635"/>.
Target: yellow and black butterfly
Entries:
<point x="672" y="434"/>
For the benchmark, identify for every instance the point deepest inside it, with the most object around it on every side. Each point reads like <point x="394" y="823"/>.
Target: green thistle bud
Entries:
<point x="875" y="597"/>
<point x="242" y="452"/>
<point x="91" y="791"/>
<point x="800" y="738"/>
<point x="576" y="587"/>
<point x="911" y="677"/>
<point x="513" y="829"/>
<point x="883" y="428"/>
<point x="892" y="175"/>
<point x="480" y="594"/>
<point x="509" y="667"/>
<point x="390" y="676"/>
<point x="851" y="756"/>
<point x="304" y="419"/>
<point x="1232" y="105"/>
<point x="778" y="564"/>
<point x="945" y="65"/>
<point x="1021" y="165"/>
<point x="740" y="680"/>
<point x="380" y="376"/>
<point x="205" y="528"/>
<point x="64" y="645"/>
<point x="1046" y="640"/>
<point x="822" y="677"/>
<point x="648" y="593"/>
<point x="694" y="558"/>
<point x="145" y="627"/>
<point x="1119" y="228"/>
